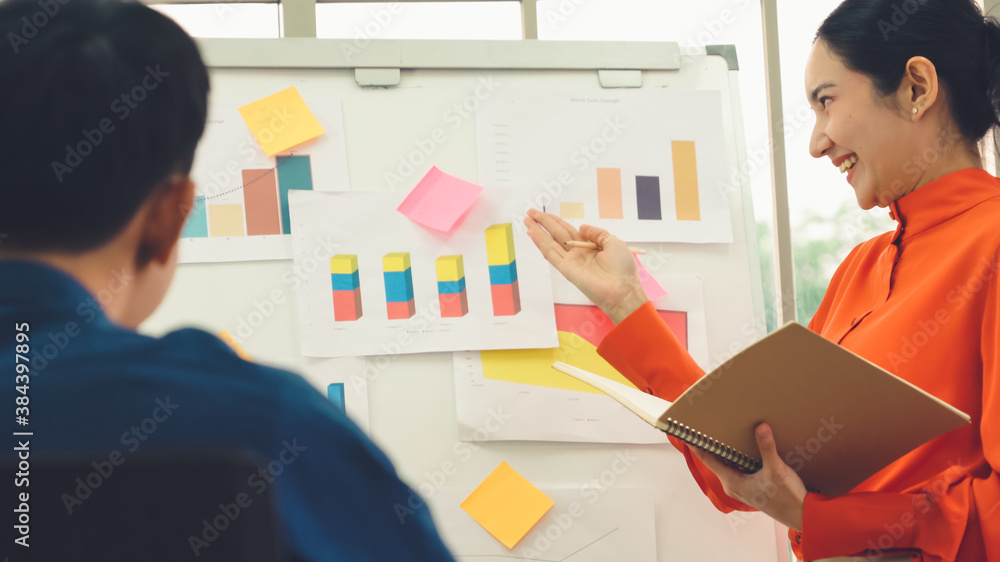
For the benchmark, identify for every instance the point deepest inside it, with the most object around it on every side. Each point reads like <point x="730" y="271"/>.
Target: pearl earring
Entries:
<point x="914" y="111"/>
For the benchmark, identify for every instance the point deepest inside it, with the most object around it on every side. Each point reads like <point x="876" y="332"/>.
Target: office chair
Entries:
<point x="151" y="507"/>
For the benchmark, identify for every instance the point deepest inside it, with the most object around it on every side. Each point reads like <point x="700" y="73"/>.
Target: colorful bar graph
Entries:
<point x="197" y="221"/>
<point x="335" y="392"/>
<point x="647" y="197"/>
<point x="571" y="210"/>
<point x="686" y="198"/>
<point x="346" y="288"/>
<point x="398" y="276"/>
<point x="260" y="194"/>
<point x="452" y="294"/>
<point x="226" y="220"/>
<point x="294" y="172"/>
<point x="609" y="193"/>
<point x="503" y="269"/>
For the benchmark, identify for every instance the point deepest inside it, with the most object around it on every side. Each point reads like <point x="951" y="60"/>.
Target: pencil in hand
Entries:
<point x="595" y="246"/>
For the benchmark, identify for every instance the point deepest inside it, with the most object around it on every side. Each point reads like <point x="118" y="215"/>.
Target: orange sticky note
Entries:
<point x="226" y="337"/>
<point x="281" y="121"/>
<point x="507" y="505"/>
<point x="654" y="291"/>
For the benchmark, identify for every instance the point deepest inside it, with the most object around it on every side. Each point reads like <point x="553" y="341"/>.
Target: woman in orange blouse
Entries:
<point x="900" y="107"/>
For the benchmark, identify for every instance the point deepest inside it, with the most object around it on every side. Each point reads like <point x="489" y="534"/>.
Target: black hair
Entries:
<point x="100" y="101"/>
<point x="878" y="37"/>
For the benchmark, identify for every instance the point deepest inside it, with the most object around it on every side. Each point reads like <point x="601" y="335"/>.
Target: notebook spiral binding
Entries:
<point x="702" y="441"/>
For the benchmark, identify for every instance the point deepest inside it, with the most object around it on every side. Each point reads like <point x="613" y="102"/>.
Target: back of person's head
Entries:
<point x="100" y="101"/>
<point x="878" y="37"/>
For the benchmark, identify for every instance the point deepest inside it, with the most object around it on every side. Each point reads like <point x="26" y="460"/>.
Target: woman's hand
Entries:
<point x="608" y="276"/>
<point x="775" y="489"/>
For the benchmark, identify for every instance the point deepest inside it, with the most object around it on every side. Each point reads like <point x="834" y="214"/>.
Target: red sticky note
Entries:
<point x="653" y="289"/>
<point x="439" y="200"/>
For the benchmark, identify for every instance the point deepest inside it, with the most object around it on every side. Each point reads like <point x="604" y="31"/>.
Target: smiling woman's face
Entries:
<point x="853" y="123"/>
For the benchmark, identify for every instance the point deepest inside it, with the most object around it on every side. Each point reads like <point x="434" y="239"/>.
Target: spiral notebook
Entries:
<point x="837" y="418"/>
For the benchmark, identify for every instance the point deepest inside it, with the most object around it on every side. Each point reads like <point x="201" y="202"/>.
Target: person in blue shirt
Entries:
<point x="102" y="103"/>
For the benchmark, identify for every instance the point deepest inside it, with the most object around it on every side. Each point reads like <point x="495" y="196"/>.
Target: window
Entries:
<point x="420" y="20"/>
<point x="231" y="19"/>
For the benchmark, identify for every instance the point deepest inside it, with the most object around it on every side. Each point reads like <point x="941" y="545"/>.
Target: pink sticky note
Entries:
<point x="439" y="200"/>
<point x="653" y="289"/>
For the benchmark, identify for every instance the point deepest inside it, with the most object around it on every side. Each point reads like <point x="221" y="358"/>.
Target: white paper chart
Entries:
<point x="546" y="405"/>
<point x="649" y="166"/>
<point x="241" y="205"/>
<point x="373" y="282"/>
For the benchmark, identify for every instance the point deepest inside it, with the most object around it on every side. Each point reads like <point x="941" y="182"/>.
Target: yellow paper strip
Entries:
<point x="534" y="366"/>
<point x="226" y="337"/>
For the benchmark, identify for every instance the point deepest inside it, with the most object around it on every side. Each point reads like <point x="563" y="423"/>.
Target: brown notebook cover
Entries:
<point x="837" y="418"/>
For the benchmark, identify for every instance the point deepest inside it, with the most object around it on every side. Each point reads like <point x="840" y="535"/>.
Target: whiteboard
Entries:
<point x="411" y="397"/>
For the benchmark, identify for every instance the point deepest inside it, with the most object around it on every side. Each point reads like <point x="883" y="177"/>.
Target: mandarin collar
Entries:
<point x="937" y="201"/>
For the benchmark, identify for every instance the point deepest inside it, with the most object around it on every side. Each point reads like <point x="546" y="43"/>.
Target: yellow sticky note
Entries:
<point x="226" y="337"/>
<point x="507" y="505"/>
<point x="281" y="121"/>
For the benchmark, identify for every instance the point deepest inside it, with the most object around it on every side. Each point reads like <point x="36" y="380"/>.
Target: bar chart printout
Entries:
<point x="405" y="270"/>
<point x="346" y="287"/>
<point x="674" y="138"/>
<point x="452" y="293"/>
<point x="398" y="276"/>
<point x="265" y="203"/>
<point x="503" y="269"/>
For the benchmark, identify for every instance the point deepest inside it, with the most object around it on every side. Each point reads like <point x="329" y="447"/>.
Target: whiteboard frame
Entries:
<point x="617" y="60"/>
<point x="434" y="54"/>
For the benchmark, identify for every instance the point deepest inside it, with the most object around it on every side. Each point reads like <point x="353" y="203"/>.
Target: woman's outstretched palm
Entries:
<point x="608" y="275"/>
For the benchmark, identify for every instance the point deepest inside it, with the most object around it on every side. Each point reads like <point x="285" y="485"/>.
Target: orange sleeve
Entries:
<point x="646" y="352"/>
<point x="953" y="515"/>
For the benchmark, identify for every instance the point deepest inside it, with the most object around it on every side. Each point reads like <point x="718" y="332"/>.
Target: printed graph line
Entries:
<point x="234" y="190"/>
<point x="264" y="174"/>
<point x="563" y="559"/>
<point x="216" y="196"/>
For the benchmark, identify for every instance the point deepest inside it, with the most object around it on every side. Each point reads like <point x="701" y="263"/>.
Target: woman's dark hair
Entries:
<point x="100" y="101"/>
<point x="877" y="37"/>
